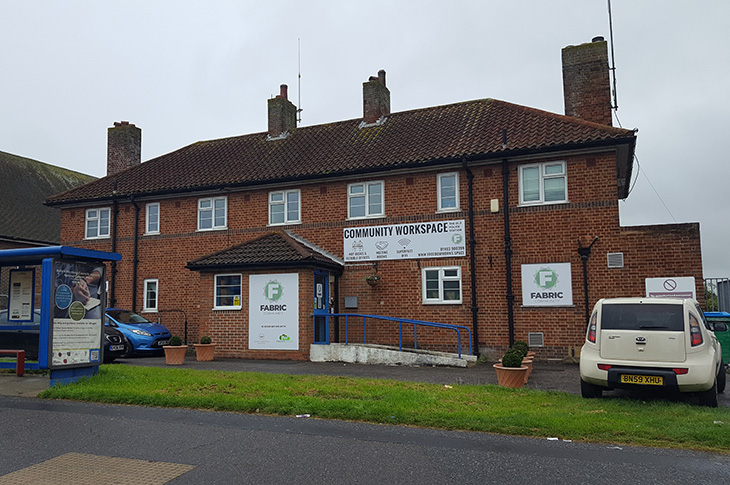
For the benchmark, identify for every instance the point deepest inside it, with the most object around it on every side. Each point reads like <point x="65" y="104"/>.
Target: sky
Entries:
<point x="185" y="71"/>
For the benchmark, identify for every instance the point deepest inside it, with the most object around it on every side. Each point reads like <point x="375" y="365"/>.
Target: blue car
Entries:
<point x="146" y="337"/>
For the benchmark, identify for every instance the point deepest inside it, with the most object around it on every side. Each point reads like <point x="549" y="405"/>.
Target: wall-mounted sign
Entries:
<point x="21" y="295"/>
<point x="547" y="284"/>
<point x="76" y="331"/>
<point x="436" y="239"/>
<point x="682" y="287"/>
<point x="273" y="311"/>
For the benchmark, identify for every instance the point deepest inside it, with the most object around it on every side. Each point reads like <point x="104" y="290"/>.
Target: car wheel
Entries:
<point x="128" y="350"/>
<point x="721" y="378"/>
<point x="709" y="397"/>
<point x="590" y="391"/>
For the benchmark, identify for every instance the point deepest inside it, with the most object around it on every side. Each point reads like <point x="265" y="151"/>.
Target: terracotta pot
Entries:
<point x="175" y="355"/>
<point x="204" y="352"/>
<point x="528" y="362"/>
<point x="530" y="354"/>
<point x="510" y="376"/>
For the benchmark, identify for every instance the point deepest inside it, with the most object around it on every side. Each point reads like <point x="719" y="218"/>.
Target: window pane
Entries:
<point x="292" y="206"/>
<point x="531" y="184"/>
<point x="448" y="191"/>
<point x="451" y="272"/>
<point x="375" y="199"/>
<point x="452" y="290"/>
<point x="357" y="206"/>
<point x="276" y="197"/>
<point x="204" y="204"/>
<point x="432" y="285"/>
<point x="357" y="189"/>
<point x="91" y="229"/>
<point x="554" y="169"/>
<point x="104" y="222"/>
<point x="555" y="189"/>
<point x="205" y="220"/>
<point x="277" y="213"/>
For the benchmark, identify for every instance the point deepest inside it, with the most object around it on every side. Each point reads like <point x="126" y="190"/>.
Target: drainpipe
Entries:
<point x="585" y="253"/>
<point x="134" y="257"/>
<point x="507" y="244"/>
<point x="115" y="215"/>
<point x="472" y="262"/>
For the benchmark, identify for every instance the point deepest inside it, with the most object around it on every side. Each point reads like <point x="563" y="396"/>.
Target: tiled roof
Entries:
<point x="24" y="186"/>
<point x="269" y="250"/>
<point x="408" y="139"/>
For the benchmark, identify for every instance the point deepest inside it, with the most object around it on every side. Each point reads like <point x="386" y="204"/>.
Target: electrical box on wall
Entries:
<point x="350" y="302"/>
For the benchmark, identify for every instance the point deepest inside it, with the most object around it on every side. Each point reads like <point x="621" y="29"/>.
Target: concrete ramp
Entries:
<point x="385" y="355"/>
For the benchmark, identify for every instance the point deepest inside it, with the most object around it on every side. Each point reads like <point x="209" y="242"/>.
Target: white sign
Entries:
<point x="20" y="300"/>
<point x="683" y="287"/>
<point x="547" y="284"/>
<point x="273" y="311"/>
<point x="436" y="239"/>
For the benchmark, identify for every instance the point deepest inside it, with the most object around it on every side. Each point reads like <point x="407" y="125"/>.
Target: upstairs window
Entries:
<point x="284" y="207"/>
<point x="97" y="223"/>
<point x="441" y="285"/>
<point x="152" y="218"/>
<point x="212" y="213"/>
<point x="448" y="192"/>
<point x="365" y="200"/>
<point x="543" y="183"/>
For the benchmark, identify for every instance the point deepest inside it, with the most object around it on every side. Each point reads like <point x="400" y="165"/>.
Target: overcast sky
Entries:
<point x="185" y="71"/>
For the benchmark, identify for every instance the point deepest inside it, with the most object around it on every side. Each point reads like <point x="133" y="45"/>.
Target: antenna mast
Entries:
<point x="613" y="61"/>
<point x="299" y="80"/>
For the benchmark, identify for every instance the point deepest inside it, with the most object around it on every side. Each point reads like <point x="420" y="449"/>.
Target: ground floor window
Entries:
<point x="150" y="295"/>
<point x="227" y="292"/>
<point x="441" y="285"/>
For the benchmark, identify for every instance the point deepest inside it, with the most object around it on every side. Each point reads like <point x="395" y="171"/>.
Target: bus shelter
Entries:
<point x="68" y="314"/>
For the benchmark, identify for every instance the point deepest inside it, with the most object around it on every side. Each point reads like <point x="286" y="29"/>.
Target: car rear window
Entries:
<point x="637" y="316"/>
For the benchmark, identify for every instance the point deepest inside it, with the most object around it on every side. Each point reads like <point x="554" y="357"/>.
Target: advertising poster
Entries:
<point x="679" y="287"/>
<point x="76" y="331"/>
<point x="435" y="239"/>
<point x="547" y="285"/>
<point x="20" y="296"/>
<point x="273" y="312"/>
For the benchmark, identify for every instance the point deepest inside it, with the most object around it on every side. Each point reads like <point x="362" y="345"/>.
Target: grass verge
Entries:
<point x="473" y="408"/>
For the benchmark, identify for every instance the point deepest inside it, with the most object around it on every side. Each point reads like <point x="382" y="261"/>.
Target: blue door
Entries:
<point x="321" y="307"/>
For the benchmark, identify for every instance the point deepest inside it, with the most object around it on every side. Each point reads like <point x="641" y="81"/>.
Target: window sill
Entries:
<point x="150" y="310"/>
<point x="96" y="238"/>
<point x="226" y="308"/>
<point x="443" y="211"/>
<point x="442" y="302"/>
<point x="212" y="229"/>
<point x="279" y="224"/>
<point x="379" y="216"/>
<point x="533" y="204"/>
<point x="151" y="233"/>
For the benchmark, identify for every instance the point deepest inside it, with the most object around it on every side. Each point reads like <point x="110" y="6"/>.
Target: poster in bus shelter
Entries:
<point x="77" y="327"/>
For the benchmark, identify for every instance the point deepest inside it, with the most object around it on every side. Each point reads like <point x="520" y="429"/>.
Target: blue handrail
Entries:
<point x="401" y="321"/>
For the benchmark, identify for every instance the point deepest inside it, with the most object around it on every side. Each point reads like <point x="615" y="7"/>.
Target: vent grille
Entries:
<point x="536" y="339"/>
<point x="615" y="260"/>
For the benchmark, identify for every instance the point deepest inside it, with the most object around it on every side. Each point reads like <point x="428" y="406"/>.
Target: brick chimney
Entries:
<point x="375" y="98"/>
<point x="124" y="147"/>
<point x="282" y="114"/>
<point x="586" y="85"/>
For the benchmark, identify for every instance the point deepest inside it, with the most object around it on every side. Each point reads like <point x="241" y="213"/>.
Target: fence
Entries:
<point x="717" y="294"/>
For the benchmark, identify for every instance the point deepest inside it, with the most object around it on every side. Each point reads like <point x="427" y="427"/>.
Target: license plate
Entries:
<point x="114" y="348"/>
<point x="160" y="343"/>
<point x="644" y="380"/>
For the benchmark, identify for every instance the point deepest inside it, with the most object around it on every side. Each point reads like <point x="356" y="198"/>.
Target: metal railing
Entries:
<point x="717" y="294"/>
<point x="401" y="321"/>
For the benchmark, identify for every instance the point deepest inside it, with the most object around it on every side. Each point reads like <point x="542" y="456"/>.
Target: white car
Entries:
<point x="666" y="343"/>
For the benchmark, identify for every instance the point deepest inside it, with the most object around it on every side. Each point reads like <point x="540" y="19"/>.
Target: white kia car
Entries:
<point x="651" y="343"/>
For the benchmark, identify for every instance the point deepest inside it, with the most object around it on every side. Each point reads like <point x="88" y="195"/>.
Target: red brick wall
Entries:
<point x="540" y="234"/>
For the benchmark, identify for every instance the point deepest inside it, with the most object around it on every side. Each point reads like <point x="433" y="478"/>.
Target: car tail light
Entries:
<point x="694" y="331"/>
<point x="604" y="366"/>
<point x="680" y="371"/>
<point x="592" y="329"/>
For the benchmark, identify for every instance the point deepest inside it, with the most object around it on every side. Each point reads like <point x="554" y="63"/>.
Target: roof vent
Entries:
<point x="615" y="260"/>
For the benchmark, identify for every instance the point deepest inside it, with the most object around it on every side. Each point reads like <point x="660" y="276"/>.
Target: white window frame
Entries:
<point x="94" y="216"/>
<point x="148" y="283"/>
<point x="440" y="194"/>
<point x="543" y="176"/>
<point x="366" y="186"/>
<point x="285" y="202"/>
<point x="148" y="226"/>
<point x="443" y="276"/>
<point x="212" y="209"/>
<point x="240" y="291"/>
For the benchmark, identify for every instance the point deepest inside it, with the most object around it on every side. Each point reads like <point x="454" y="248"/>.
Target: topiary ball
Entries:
<point x="205" y="340"/>
<point x="175" y="341"/>
<point x="522" y="346"/>
<point x="512" y="358"/>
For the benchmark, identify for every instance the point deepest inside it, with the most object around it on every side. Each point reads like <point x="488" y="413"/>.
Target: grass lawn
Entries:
<point x="473" y="408"/>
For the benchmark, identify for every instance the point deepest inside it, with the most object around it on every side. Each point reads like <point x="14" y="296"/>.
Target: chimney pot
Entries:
<point x="598" y="39"/>
<point x="283" y="91"/>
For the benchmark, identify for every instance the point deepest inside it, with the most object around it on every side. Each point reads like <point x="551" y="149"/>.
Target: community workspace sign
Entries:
<point x="437" y="239"/>
<point x="547" y="285"/>
<point x="273" y="312"/>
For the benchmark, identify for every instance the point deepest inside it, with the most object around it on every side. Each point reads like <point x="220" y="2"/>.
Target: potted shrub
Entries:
<point x="205" y="350"/>
<point x="522" y="345"/>
<point x="511" y="372"/>
<point x="373" y="279"/>
<point x="175" y="351"/>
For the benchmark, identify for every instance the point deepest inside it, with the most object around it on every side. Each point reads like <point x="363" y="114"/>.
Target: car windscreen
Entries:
<point x="123" y="316"/>
<point x="638" y="316"/>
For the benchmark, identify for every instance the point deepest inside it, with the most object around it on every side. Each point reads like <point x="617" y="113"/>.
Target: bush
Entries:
<point x="175" y="341"/>
<point x="205" y="340"/>
<point x="522" y="346"/>
<point x="512" y="358"/>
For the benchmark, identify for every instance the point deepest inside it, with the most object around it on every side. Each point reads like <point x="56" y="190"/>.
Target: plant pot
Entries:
<point x="204" y="352"/>
<point x="372" y="281"/>
<point x="175" y="355"/>
<point x="528" y="362"/>
<point x="513" y="377"/>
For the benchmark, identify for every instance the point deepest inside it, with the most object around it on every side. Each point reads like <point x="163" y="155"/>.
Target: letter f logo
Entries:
<point x="273" y="290"/>
<point x="546" y="278"/>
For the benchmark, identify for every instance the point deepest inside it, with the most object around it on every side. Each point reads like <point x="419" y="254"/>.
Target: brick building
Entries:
<point x="486" y="214"/>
